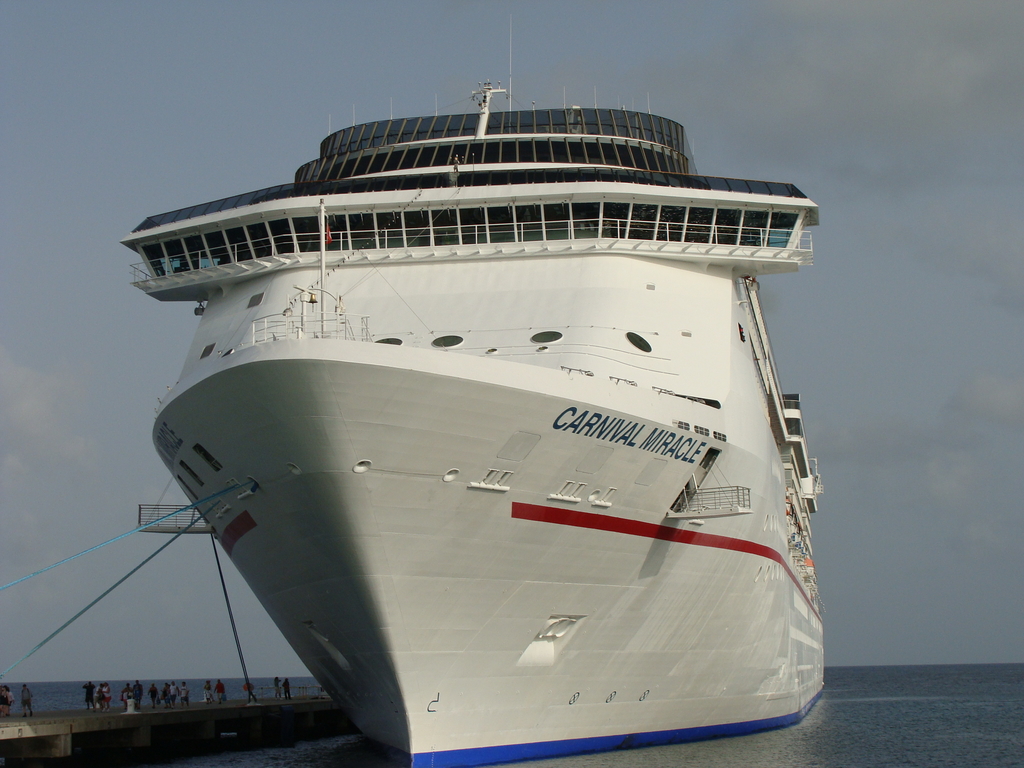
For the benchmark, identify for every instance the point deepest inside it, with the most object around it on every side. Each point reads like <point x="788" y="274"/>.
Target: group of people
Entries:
<point x="7" y="701"/>
<point x="97" y="697"/>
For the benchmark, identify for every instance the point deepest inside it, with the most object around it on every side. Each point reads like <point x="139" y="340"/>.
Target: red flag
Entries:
<point x="328" y="239"/>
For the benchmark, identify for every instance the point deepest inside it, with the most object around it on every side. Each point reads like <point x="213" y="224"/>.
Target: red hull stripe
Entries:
<point x="235" y="530"/>
<point x="596" y="522"/>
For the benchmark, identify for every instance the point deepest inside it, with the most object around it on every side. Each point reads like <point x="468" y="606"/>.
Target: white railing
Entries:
<point x="330" y="325"/>
<point x="779" y="241"/>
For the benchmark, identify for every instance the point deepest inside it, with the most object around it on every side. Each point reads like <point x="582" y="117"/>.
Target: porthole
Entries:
<point x="545" y="337"/>
<point x="391" y="340"/>
<point x="638" y="341"/>
<point x="447" y="341"/>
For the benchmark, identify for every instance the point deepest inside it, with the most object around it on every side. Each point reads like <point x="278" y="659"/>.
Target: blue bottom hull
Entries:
<point x="512" y="753"/>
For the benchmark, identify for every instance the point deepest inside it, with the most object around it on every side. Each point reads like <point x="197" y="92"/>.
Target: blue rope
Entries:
<point x="110" y="589"/>
<point x="123" y="535"/>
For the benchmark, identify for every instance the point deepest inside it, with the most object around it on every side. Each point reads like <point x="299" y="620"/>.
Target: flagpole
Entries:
<point x="323" y="266"/>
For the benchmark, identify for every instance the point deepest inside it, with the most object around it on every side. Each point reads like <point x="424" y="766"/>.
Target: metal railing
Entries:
<point x="729" y="499"/>
<point x="150" y="513"/>
<point x="331" y="325"/>
<point x="689" y="235"/>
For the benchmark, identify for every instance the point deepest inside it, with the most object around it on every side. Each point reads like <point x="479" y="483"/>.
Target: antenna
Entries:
<point x="508" y="96"/>
<point x="353" y="114"/>
<point x="435" y="105"/>
<point x="595" y="97"/>
<point x="648" y="102"/>
<point x="563" y="97"/>
<point x="391" y="106"/>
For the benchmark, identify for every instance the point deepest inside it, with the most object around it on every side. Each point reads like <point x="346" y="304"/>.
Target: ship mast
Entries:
<point x="483" y="98"/>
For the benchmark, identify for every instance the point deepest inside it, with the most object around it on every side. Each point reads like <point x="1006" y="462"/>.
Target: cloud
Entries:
<point x="994" y="398"/>
<point x="34" y="412"/>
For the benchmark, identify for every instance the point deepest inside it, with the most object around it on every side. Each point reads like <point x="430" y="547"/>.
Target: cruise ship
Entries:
<point x="519" y="476"/>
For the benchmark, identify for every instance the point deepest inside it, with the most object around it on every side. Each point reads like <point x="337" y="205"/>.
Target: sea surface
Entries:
<point x="867" y="717"/>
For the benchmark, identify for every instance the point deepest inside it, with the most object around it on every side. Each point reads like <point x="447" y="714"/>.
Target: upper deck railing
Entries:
<point x="330" y="325"/>
<point x="701" y="224"/>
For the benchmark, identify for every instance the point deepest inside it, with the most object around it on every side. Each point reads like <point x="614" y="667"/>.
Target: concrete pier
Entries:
<point x="48" y="736"/>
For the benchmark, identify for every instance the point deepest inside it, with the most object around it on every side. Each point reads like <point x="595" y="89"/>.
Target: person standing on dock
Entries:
<point x="126" y="693"/>
<point x="6" y="701"/>
<point x="153" y="694"/>
<point x="137" y="695"/>
<point x="90" y="690"/>
<point x="184" y="693"/>
<point x="208" y="693"/>
<point x="26" y="700"/>
<point x="220" y="691"/>
<point x="287" y="689"/>
<point x="175" y="693"/>
<point x="277" y="687"/>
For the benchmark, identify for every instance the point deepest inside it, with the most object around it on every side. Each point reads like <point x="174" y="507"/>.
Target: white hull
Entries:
<point x="424" y="595"/>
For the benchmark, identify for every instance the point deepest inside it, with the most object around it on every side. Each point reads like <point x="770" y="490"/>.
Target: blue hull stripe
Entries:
<point x="510" y="753"/>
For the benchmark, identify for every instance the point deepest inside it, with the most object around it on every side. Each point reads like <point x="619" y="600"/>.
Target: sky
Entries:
<point x="901" y="120"/>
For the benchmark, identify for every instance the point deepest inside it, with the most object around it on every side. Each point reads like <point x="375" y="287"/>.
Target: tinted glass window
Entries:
<point x="218" y="248"/>
<point x="260" y="239"/>
<point x="672" y="220"/>
<point x="727" y="226"/>
<point x="526" y="152"/>
<point x="307" y="232"/>
<point x="390" y="230"/>
<point x="362" y="230"/>
<point x="501" y="228"/>
<point x="585" y="219"/>
<point x="417" y="228"/>
<point x="558" y="152"/>
<point x="238" y="244"/>
<point x="282" y="231"/>
<point x="698" y="229"/>
<point x="409" y="158"/>
<point x="473" y="229"/>
<point x="446" y="231"/>
<point x="783" y="220"/>
<point x="176" y="256"/>
<point x="638" y="341"/>
<point x="528" y="222"/>
<point x="543" y="151"/>
<point x="616" y="220"/>
<point x="508" y="152"/>
<point x="155" y="257"/>
<point x="197" y="251"/>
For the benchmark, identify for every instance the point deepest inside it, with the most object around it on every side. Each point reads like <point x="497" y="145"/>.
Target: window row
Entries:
<point x="468" y="226"/>
<point x="474" y="179"/>
<point x="594" y="122"/>
<point x="594" y="152"/>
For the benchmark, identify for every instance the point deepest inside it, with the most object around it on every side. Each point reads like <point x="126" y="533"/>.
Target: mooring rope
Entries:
<point x="106" y="592"/>
<point x="123" y="535"/>
<point x="231" y="616"/>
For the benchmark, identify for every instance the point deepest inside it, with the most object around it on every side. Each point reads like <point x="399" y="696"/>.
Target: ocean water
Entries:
<point x="867" y="717"/>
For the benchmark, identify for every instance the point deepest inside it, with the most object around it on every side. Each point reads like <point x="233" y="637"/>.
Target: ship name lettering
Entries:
<point x="618" y="430"/>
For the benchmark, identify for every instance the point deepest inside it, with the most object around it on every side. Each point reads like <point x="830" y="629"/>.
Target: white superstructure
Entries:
<point x="527" y="482"/>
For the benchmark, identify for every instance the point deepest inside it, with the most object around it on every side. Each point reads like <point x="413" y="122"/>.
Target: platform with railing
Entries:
<point x="150" y="516"/>
<point x="713" y="502"/>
